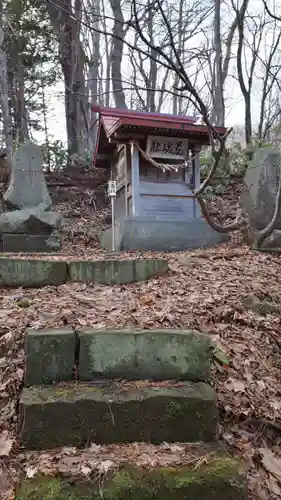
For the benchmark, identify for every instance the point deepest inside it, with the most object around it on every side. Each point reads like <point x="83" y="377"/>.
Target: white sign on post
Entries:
<point x="112" y="194"/>
<point x="159" y="146"/>
<point x="112" y="188"/>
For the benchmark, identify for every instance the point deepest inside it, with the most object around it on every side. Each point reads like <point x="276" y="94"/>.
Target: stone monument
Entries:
<point x="260" y="188"/>
<point x="30" y="226"/>
<point x="259" y="195"/>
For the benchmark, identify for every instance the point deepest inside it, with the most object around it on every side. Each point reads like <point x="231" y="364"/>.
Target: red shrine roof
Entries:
<point x="121" y="125"/>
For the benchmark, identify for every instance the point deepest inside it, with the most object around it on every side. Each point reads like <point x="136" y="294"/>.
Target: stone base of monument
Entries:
<point x="168" y="235"/>
<point x="37" y="243"/>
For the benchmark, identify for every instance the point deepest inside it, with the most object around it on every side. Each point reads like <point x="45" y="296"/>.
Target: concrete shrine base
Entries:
<point x="169" y="235"/>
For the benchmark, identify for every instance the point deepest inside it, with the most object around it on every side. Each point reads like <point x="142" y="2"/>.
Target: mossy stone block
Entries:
<point x="114" y="272"/>
<point x="111" y="412"/>
<point x="50" y="356"/>
<point x="159" y="354"/>
<point x="31" y="272"/>
<point x="221" y="477"/>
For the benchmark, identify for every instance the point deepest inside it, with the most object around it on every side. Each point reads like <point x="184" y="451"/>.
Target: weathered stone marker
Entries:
<point x="260" y="188"/>
<point x="27" y="186"/>
<point x="28" y="195"/>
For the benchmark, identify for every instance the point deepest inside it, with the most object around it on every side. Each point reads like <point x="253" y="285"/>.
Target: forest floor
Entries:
<point x="228" y="292"/>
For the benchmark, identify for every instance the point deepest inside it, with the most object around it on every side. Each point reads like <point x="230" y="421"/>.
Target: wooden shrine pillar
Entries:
<point x="135" y="180"/>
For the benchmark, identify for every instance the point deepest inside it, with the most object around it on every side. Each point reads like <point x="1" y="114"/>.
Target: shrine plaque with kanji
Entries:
<point x="166" y="147"/>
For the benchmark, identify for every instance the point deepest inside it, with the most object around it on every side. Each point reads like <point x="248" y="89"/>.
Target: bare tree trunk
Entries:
<point x="95" y="56"/>
<point x="117" y="54"/>
<point x="219" y="107"/>
<point x="7" y="120"/>
<point x="152" y="78"/>
<point x="107" y="55"/>
<point x="240" y="14"/>
<point x="45" y="123"/>
<point x="176" y="98"/>
<point x="95" y="77"/>
<point x="21" y="111"/>
<point x="272" y="69"/>
<point x="219" y="68"/>
<point x="66" y="24"/>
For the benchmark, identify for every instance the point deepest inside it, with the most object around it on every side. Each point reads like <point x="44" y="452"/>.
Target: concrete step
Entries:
<point x="115" y="412"/>
<point x="159" y="354"/>
<point x="144" y="354"/>
<point x="208" y="474"/>
<point x="36" y="273"/>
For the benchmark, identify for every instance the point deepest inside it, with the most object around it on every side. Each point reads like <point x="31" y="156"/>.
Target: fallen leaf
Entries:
<point x="6" y="444"/>
<point x="86" y="470"/>
<point x="273" y="486"/>
<point x="235" y="385"/>
<point x="220" y="356"/>
<point x="105" y="466"/>
<point x="271" y="463"/>
<point x="31" y="472"/>
<point x="5" y="312"/>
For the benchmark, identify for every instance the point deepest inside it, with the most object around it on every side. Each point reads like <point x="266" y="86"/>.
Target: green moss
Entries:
<point x="220" y="477"/>
<point x="66" y="392"/>
<point x="174" y="409"/>
<point x="218" y="469"/>
<point x="45" y="488"/>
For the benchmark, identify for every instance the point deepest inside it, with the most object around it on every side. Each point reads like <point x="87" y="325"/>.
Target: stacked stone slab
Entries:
<point x="30" y="226"/>
<point x="108" y="386"/>
<point x="36" y="273"/>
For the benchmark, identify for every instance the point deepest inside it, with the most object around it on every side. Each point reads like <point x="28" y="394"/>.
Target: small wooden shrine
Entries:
<point x="154" y="158"/>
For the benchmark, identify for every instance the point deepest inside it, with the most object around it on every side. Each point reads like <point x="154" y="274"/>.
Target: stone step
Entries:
<point x="31" y="273"/>
<point x="144" y="354"/>
<point x="36" y="273"/>
<point x="30" y="243"/>
<point x="115" y="412"/>
<point x="208" y="474"/>
<point x="159" y="354"/>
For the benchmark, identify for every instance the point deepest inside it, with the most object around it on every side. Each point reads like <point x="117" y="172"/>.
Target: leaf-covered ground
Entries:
<point x="229" y="292"/>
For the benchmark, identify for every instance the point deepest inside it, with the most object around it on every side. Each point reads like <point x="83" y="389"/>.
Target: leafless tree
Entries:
<point x="246" y="62"/>
<point x="118" y="32"/>
<point x="66" y="22"/>
<point x="270" y="62"/>
<point x="219" y="71"/>
<point x="7" y="120"/>
<point x="273" y="15"/>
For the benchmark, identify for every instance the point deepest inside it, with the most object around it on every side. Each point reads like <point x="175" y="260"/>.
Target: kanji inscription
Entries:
<point x="166" y="147"/>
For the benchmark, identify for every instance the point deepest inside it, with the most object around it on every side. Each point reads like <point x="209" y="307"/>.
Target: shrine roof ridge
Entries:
<point x="148" y="115"/>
